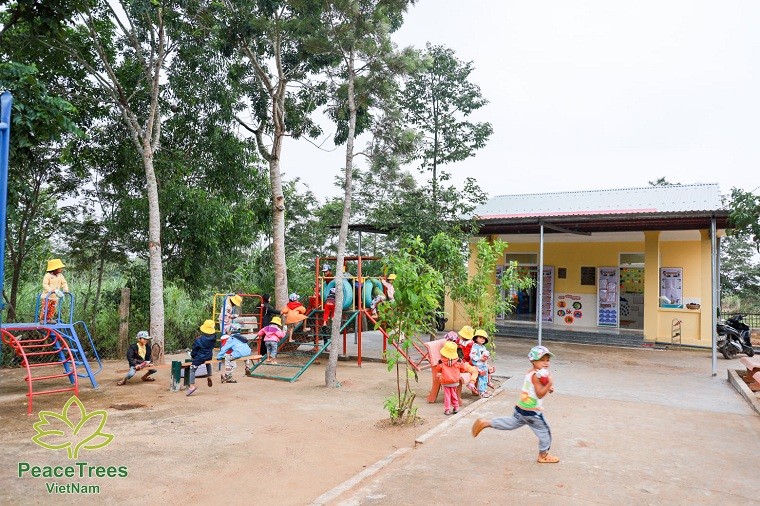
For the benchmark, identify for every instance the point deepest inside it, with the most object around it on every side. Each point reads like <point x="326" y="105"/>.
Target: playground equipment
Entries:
<point x="82" y="351"/>
<point x="311" y="338"/>
<point x="40" y="347"/>
<point x="43" y="343"/>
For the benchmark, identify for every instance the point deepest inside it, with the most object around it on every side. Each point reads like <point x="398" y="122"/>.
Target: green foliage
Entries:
<point x="745" y="215"/>
<point x="739" y="275"/>
<point x="478" y="294"/>
<point x="439" y="99"/>
<point x="418" y="288"/>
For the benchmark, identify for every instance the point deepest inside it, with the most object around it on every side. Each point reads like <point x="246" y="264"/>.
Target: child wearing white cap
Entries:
<point x="139" y="357"/>
<point x="529" y="411"/>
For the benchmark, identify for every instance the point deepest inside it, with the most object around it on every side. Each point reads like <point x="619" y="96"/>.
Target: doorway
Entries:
<point x="632" y="291"/>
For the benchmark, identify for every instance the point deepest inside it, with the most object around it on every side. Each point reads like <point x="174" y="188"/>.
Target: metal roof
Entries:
<point x="647" y="200"/>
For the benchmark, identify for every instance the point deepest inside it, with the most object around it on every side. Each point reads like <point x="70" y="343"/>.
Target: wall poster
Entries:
<point x="671" y="286"/>
<point x="608" y="297"/>
<point x="547" y="313"/>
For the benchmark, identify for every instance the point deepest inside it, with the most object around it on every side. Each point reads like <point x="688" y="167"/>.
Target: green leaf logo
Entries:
<point x="56" y="431"/>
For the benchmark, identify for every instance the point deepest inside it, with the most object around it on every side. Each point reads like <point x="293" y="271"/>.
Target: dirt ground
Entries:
<point x="265" y="441"/>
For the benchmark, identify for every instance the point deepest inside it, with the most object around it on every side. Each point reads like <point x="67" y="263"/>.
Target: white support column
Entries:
<point x="540" y="293"/>
<point x="715" y="291"/>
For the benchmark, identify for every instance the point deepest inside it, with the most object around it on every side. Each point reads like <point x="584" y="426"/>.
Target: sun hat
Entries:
<point x="208" y="327"/>
<point x="391" y="277"/>
<point x="293" y="297"/>
<point x="54" y="264"/>
<point x="143" y="334"/>
<point x="236" y="300"/>
<point x="451" y="335"/>
<point x="325" y="268"/>
<point x="481" y="333"/>
<point x="277" y="321"/>
<point x="537" y="352"/>
<point x="449" y="350"/>
<point x="467" y="332"/>
<point x="234" y="327"/>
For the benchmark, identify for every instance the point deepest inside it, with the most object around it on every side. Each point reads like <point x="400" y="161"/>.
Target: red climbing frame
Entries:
<point x="41" y="352"/>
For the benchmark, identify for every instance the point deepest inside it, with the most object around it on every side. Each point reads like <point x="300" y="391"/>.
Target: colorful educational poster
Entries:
<point x="671" y="286"/>
<point x="547" y="314"/>
<point x="608" y="297"/>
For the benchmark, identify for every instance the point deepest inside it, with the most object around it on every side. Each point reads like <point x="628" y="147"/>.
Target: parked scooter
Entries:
<point x="733" y="337"/>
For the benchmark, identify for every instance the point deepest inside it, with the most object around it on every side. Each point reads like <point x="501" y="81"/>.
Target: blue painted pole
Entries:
<point x="6" y="101"/>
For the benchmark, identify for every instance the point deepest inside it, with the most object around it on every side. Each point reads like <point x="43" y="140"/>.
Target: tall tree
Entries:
<point x="439" y="100"/>
<point x="279" y="57"/>
<point x="359" y="30"/>
<point x="130" y="50"/>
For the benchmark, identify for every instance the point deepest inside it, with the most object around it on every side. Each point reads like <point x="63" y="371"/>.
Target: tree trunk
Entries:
<point x="98" y="286"/>
<point x="331" y="371"/>
<point x="278" y="233"/>
<point x="278" y="200"/>
<point x="123" y="323"/>
<point x="154" y="254"/>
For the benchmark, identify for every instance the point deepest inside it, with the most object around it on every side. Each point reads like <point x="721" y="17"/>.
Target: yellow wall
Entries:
<point x="692" y="256"/>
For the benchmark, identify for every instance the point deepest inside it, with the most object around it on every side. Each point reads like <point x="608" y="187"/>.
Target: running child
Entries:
<point x="537" y="383"/>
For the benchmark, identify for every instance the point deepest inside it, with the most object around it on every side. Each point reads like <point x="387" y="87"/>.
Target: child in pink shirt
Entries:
<point x="272" y="334"/>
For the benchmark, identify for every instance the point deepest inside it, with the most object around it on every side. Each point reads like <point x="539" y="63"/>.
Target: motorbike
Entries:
<point x="733" y="337"/>
<point x="440" y="320"/>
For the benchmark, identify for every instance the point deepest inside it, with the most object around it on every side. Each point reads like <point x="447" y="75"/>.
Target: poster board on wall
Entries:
<point x="575" y="309"/>
<point x="608" y="297"/>
<point x="547" y="313"/>
<point x="671" y="286"/>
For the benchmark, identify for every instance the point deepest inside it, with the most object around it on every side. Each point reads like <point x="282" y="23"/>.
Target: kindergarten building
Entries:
<point x="622" y="266"/>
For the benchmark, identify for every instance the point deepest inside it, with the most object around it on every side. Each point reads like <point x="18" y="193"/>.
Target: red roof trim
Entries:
<point x="576" y="213"/>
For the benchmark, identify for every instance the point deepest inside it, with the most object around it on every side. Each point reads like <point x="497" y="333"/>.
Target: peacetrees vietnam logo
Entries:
<point x="75" y="430"/>
<point x="58" y="431"/>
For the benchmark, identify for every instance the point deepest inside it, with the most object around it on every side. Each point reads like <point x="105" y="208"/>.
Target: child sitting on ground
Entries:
<point x="139" y="357"/>
<point x="238" y="345"/>
<point x="203" y="351"/>
<point x="272" y="334"/>
<point x="449" y="371"/>
<point x="536" y="384"/>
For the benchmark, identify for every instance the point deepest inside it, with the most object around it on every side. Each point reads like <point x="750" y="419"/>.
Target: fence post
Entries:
<point x="123" y="322"/>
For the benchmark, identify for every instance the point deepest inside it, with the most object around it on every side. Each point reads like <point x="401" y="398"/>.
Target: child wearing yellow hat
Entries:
<point x="449" y="371"/>
<point x="272" y="334"/>
<point x="54" y="285"/>
<point x="203" y="351"/>
<point x="228" y="311"/>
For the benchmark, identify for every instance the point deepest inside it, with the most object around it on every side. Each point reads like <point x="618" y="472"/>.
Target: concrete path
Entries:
<point x="630" y="425"/>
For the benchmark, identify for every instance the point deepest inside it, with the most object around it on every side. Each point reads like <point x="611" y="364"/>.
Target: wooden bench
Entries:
<point x="434" y="355"/>
<point x="752" y="378"/>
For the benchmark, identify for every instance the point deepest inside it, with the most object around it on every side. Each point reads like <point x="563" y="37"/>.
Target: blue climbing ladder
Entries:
<point x="76" y="334"/>
<point x="309" y="341"/>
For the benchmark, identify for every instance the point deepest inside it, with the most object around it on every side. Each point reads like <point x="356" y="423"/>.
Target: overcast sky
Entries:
<point x="594" y="94"/>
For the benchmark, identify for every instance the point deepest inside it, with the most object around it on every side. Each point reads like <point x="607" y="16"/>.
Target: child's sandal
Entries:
<point x="148" y="378"/>
<point x="447" y="412"/>
<point x="547" y="459"/>
<point x="121" y="382"/>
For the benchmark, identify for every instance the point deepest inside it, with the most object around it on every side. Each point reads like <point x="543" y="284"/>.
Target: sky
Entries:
<point x="593" y="94"/>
